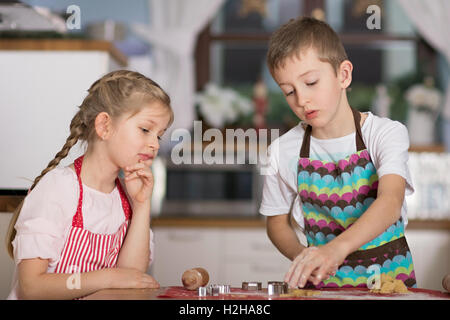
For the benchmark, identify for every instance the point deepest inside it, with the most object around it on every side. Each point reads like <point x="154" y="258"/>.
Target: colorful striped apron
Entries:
<point x="334" y="195"/>
<point x="86" y="251"/>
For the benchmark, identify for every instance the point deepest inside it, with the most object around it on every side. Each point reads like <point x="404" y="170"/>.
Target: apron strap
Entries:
<point x="360" y="145"/>
<point x="77" y="220"/>
<point x="358" y="136"/>
<point x="125" y="203"/>
<point x="304" y="151"/>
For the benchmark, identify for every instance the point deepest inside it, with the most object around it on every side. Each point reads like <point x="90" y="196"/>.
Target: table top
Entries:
<point x="179" y="293"/>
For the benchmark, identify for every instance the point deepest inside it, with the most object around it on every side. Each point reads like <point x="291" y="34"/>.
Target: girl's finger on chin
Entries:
<point x="132" y="176"/>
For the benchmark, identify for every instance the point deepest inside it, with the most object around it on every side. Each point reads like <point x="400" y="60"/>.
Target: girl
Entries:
<point x="80" y="229"/>
<point x="343" y="174"/>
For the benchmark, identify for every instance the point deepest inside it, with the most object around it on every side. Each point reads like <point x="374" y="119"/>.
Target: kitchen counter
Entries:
<point x="178" y="292"/>
<point x="8" y="203"/>
<point x="260" y="222"/>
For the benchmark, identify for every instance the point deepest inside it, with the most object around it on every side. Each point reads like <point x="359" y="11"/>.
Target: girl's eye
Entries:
<point x="145" y="130"/>
<point x="311" y="83"/>
<point x="289" y="93"/>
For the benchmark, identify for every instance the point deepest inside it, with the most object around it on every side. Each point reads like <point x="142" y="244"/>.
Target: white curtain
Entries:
<point x="431" y="19"/>
<point x="172" y="34"/>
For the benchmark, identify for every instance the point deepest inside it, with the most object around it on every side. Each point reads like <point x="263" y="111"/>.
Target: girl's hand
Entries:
<point x="139" y="182"/>
<point x="123" y="278"/>
<point x="314" y="264"/>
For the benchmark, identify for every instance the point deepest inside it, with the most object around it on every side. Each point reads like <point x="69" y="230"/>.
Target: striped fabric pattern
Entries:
<point x="85" y="251"/>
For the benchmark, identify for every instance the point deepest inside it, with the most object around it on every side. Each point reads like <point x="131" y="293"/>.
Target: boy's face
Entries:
<point x="312" y="89"/>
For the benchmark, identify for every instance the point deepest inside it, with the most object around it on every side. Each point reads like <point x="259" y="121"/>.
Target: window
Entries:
<point x="231" y="50"/>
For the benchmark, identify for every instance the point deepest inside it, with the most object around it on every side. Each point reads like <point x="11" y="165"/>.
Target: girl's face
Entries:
<point x="312" y="89"/>
<point x="135" y="138"/>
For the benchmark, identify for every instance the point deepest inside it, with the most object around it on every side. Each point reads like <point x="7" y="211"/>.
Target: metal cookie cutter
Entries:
<point x="251" y="286"/>
<point x="202" y="292"/>
<point x="224" y="289"/>
<point x="277" y="287"/>
<point x="213" y="290"/>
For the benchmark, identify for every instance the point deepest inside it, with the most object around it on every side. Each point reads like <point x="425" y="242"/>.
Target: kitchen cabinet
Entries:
<point x="430" y="250"/>
<point x="231" y="255"/>
<point x="179" y="249"/>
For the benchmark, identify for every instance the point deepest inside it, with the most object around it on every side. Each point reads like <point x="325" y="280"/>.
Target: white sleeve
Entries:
<point x="391" y="154"/>
<point x="43" y="221"/>
<point x="277" y="196"/>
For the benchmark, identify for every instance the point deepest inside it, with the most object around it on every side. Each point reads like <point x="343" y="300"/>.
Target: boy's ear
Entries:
<point x="103" y="125"/>
<point x="345" y="74"/>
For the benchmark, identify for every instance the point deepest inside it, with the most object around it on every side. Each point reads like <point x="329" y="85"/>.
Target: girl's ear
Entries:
<point x="103" y="125"/>
<point x="345" y="74"/>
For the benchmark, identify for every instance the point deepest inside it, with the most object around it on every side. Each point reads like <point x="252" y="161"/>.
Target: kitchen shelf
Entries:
<point x="65" y="45"/>
<point x="438" y="148"/>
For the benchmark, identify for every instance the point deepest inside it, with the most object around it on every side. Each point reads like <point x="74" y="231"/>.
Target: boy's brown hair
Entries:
<point x="301" y="34"/>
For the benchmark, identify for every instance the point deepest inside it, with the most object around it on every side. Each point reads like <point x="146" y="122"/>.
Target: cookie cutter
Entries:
<point x="224" y="289"/>
<point x="277" y="287"/>
<point x="251" y="286"/>
<point x="202" y="292"/>
<point x="213" y="290"/>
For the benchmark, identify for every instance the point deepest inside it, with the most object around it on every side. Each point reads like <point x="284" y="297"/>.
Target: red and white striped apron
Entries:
<point x="86" y="251"/>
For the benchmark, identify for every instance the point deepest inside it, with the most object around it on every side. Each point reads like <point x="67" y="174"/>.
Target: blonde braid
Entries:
<point x="76" y="131"/>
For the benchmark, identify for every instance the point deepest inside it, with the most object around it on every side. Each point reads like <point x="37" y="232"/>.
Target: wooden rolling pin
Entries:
<point x="194" y="278"/>
<point x="446" y="282"/>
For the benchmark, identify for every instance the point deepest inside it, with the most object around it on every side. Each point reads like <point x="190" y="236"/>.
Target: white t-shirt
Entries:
<point x="46" y="217"/>
<point x="386" y="140"/>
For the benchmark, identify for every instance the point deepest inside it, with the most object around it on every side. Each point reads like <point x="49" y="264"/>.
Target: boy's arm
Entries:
<point x="383" y="212"/>
<point x="283" y="236"/>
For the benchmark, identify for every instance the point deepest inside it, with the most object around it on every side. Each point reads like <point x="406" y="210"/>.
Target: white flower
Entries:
<point x="220" y="106"/>
<point x="422" y="96"/>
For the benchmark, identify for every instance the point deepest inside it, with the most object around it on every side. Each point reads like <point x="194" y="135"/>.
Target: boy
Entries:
<point x="337" y="169"/>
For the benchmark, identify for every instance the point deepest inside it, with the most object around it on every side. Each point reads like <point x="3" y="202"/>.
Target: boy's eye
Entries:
<point x="311" y="83"/>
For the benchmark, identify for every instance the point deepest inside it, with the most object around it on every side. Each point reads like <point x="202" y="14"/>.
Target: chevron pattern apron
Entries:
<point x="334" y="195"/>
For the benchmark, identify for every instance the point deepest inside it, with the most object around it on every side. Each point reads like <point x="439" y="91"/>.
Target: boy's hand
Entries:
<point x="139" y="182"/>
<point x="314" y="264"/>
